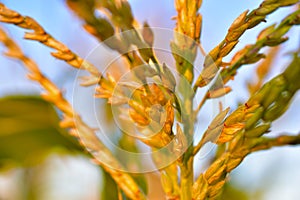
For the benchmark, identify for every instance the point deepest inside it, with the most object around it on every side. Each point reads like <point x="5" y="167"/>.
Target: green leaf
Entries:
<point x="231" y="192"/>
<point x="110" y="189"/>
<point x="29" y="130"/>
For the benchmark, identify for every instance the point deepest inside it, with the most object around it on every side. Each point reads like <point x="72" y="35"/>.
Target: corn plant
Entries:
<point x="156" y="104"/>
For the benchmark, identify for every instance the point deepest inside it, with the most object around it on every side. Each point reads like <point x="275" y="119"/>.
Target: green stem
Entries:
<point x="186" y="165"/>
<point x="187" y="177"/>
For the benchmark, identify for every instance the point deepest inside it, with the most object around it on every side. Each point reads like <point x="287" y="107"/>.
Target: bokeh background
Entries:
<point x="66" y="174"/>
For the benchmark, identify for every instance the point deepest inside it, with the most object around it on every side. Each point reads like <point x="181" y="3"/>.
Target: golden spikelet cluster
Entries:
<point x="72" y="120"/>
<point x="250" y="122"/>
<point x="187" y="36"/>
<point x="154" y="107"/>
<point x="154" y="110"/>
<point x="242" y="23"/>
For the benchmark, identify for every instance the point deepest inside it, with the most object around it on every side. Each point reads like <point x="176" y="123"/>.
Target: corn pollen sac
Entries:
<point x="278" y="85"/>
<point x="198" y="27"/>
<point x="214" y="168"/>
<point x="258" y="131"/>
<point x="239" y="20"/>
<point x="211" y="135"/>
<point x="265" y="32"/>
<point x="217" y="176"/>
<point x="200" y="188"/>
<point x="292" y="74"/>
<point x="271" y="42"/>
<point x="219" y="92"/>
<point x="213" y="55"/>
<point x="258" y="97"/>
<point x="235" y="117"/>
<point x="234" y="35"/>
<point x="266" y="9"/>
<point x="288" y="2"/>
<point x="227" y="48"/>
<point x="216" y="190"/>
<point x="233" y="163"/>
<point x="255" y="117"/>
<point x="229" y="132"/>
<point x="218" y="120"/>
<point x="148" y="34"/>
<point x="278" y="107"/>
<point x="236" y="142"/>
<point x="209" y="71"/>
<point x="255" y="57"/>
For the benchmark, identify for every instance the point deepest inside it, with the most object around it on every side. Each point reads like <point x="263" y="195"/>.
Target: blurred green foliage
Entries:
<point x="231" y="192"/>
<point x="29" y="130"/>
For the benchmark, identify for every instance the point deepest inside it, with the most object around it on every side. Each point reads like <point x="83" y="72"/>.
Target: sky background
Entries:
<point x="277" y="169"/>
